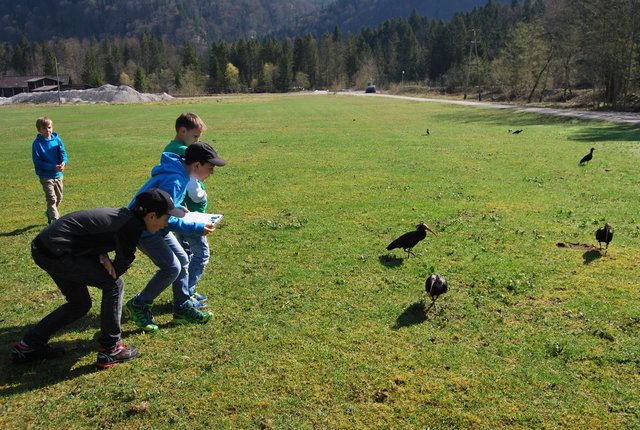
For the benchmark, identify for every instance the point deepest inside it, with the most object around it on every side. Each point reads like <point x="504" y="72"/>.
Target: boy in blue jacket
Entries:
<point x="172" y="175"/>
<point x="49" y="160"/>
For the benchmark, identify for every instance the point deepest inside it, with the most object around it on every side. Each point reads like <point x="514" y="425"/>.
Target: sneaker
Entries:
<point x="199" y="297"/>
<point x="140" y="314"/>
<point x="188" y="314"/>
<point x="118" y="354"/>
<point x="198" y="304"/>
<point x="23" y="353"/>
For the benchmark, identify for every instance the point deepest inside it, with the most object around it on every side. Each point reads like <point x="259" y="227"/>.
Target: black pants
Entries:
<point x="72" y="275"/>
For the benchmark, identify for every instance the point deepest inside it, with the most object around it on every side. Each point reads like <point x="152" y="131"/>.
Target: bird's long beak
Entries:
<point x="429" y="228"/>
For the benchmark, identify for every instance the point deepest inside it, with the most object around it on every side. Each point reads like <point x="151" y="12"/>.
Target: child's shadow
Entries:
<point x="20" y="378"/>
<point x="18" y="231"/>
<point x="389" y="260"/>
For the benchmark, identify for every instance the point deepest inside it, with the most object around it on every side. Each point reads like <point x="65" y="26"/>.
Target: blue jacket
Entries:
<point x="47" y="154"/>
<point x="171" y="176"/>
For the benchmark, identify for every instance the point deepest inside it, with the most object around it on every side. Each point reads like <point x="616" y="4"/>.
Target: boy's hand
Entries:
<point x="208" y="228"/>
<point x="107" y="264"/>
<point x="60" y="167"/>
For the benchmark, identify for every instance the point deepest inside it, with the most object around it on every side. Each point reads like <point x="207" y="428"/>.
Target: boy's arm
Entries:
<point x="63" y="152"/>
<point x="186" y="228"/>
<point x="195" y="191"/>
<point x="38" y="159"/>
<point x="126" y="242"/>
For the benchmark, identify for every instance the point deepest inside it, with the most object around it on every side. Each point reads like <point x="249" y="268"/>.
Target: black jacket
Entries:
<point x="95" y="232"/>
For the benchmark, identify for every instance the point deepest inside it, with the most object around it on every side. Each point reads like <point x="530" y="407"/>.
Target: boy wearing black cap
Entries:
<point x="73" y="251"/>
<point x="172" y="175"/>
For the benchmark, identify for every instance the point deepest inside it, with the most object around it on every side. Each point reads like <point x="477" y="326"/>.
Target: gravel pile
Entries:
<point x="104" y="94"/>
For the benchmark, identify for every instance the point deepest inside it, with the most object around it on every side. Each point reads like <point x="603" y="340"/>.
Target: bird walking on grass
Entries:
<point x="408" y="240"/>
<point x="587" y="157"/>
<point x="517" y="131"/>
<point x="435" y="286"/>
<point x="604" y="234"/>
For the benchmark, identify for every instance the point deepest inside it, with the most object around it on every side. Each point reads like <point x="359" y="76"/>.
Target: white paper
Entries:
<point x="202" y="218"/>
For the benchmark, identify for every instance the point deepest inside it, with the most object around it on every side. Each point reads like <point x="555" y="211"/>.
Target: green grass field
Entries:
<point x="316" y="325"/>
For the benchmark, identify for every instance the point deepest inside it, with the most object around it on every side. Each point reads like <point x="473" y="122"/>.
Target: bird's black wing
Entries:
<point x="407" y="240"/>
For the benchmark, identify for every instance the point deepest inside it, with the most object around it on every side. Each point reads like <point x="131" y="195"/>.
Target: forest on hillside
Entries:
<point x="524" y="50"/>
<point x="205" y="20"/>
<point x="180" y="20"/>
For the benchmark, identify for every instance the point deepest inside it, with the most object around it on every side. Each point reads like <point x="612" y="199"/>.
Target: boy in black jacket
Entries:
<point x="73" y="251"/>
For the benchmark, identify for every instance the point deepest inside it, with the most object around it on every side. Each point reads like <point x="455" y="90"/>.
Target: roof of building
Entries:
<point x="22" y="81"/>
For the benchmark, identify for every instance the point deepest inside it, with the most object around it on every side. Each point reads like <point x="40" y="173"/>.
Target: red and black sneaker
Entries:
<point x="23" y="353"/>
<point x="118" y="354"/>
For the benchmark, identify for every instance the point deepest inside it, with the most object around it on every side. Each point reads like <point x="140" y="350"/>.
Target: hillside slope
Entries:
<point x="178" y="20"/>
<point x="353" y="15"/>
<point x="206" y="20"/>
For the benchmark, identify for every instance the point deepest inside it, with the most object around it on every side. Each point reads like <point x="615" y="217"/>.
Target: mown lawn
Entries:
<point x="316" y="325"/>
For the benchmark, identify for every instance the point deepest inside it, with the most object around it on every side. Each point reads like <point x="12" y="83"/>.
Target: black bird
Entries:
<point x="587" y="157"/>
<point x="604" y="234"/>
<point x="517" y="131"/>
<point x="434" y="286"/>
<point x="408" y="240"/>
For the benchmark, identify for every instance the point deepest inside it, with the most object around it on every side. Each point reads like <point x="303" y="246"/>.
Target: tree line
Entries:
<point x="526" y="50"/>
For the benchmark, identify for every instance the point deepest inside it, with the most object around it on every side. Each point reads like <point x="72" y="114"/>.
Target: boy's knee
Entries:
<point x="205" y="259"/>
<point x="172" y="270"/>
<point x="112" y="285"/>
<point x="80" y="307"/>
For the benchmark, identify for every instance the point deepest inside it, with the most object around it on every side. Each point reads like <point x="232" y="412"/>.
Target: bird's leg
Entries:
<point x="606" y="250"/>
<point x="433" y="302"/>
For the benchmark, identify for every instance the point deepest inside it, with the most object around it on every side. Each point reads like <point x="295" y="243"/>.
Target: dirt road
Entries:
<point x="622" y="117"/>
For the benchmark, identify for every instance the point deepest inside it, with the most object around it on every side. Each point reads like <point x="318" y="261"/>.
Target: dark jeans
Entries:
<point x="72" y="275"/>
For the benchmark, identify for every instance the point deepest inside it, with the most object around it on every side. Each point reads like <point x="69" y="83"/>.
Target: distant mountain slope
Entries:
<point x="179" y="20"/>
<point x="353" y="15"/>
<point x="205" y="20"/>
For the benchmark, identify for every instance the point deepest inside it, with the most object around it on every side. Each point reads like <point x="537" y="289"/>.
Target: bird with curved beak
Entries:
<point x="587" y="157"/>
<point x="408" y="240"/>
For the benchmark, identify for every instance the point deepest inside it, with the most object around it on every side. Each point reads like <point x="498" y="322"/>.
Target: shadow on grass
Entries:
<point x="20" y="378"/>
<point x="591" y="255"/>
<point x="19" y="231"/>
<point x="616" y="133"/>
<point x="389" y="260"/>
<point x="415" y="313"/>
<point x="597" y="131"/>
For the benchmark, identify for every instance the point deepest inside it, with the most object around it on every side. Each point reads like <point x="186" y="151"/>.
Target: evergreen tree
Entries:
<point x="22" y="58"/>
<point x="218" y="59"/>
<point x="305" y="58"/>
<point x="285" y="67"/>
<point x="140" y="81"/>
<point x="190" y="56"/>
<point x="91" y="73"/>
<point x="50" y="66"/>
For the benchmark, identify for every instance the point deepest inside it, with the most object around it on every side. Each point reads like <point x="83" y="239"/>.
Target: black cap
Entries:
<point x="158" y="201"/>
<point x="203" y="153"/>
